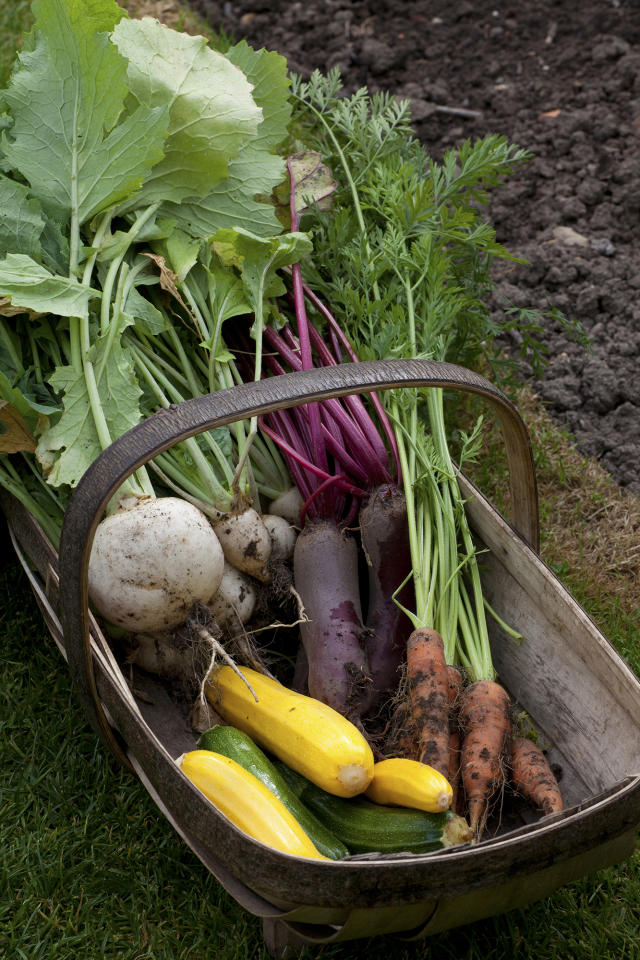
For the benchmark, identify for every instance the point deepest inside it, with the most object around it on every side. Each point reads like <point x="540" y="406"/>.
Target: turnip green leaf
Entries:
<point x="69" y="446"/>
<point x="239" y="200"/>
<point x="32" y="286"/>
<point x="211" y="111"/>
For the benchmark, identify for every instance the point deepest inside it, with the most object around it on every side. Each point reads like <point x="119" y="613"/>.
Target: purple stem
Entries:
<point x="285" y="433"/>
<point x="369" y="431"/>
<point x="356" y="441"/>
<point x="336" y="480"/>
<point x="317" y="442"/>
<point x="347" y="463"/>
<point x="277" y="341"/>
<point x="352" y="402"/>
<point x="292" y="449"/>
<point x="359" y="430"/>
<point x="336" y="332"/>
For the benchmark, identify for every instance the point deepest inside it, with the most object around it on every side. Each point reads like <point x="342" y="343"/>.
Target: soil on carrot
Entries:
<point x="559" y="77"/>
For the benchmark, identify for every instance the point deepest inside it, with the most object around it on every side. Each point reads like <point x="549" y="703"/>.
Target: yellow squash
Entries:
<point x="306" y="734"/>
<point x="408" y="783"/>
<point x="244" y="800"/>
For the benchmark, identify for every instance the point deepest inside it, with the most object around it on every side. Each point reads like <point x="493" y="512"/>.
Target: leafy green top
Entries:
<point x="121" y="138"/>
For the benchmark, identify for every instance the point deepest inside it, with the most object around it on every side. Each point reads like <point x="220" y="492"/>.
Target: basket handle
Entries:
<point x="178" y="422"/>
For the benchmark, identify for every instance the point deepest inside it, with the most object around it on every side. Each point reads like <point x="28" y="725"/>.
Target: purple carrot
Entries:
<point x="385" y="540"/>
<point x="325" y="570"/>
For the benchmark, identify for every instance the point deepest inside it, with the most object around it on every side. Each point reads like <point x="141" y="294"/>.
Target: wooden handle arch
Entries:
<point x="175" y="423"/>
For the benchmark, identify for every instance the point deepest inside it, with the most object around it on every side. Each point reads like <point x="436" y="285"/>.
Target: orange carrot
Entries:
<point x="454" y="679"/>
<point x="429" y="697"/>
<point x="404" y="744"/>
<point x="532" y="776"/>
<point x="485" y="717"/>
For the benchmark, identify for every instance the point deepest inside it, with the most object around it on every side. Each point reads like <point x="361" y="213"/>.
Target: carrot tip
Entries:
<point x="478" y="810"/>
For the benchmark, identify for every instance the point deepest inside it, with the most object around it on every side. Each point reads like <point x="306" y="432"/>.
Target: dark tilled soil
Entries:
<point x="559" y="77"/>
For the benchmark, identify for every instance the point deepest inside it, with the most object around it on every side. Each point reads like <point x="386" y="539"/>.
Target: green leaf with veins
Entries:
<point x="32" y="286"/>
<point x="67" y="448"/>
<point x="211" y="111"/>
<point x="259" y="259"/>
<point x="25" y="228"/>
<point x="233" y="202"/>
<point x="55" y="246"/>
<point x="21" y="220"/>
<point x="70" y="138"/>
<point x="182" y="253"/>
<point x="37" y="396"/>
<point x="141" y="313"/>
<point x="267" y="72"/>
<point x="18" y="398"/>
<point x="256" y="171"/>
<point x="227" y="294"/>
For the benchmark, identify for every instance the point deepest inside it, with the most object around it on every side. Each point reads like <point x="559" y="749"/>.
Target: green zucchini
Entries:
<point x="367" y="827"/>
<point x="238" y="746"/>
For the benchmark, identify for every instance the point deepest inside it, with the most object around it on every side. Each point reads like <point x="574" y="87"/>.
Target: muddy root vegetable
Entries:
<point x="235" y="599"/>
<point x="428" y="691"/>
<point x="532" y="777"/>
<point x="326" y="577"/>
<point x="283" y="537"/>
<point x="485" y="719"/>
<point x="385" y="540"/>
<point x="167" y="655"/>
<point x="245" y="541"/>
<point x="150" y="564"/>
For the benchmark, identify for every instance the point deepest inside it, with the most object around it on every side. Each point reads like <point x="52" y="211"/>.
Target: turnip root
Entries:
<point x="160" y="653"/>
<point x="186" y="655"/>
<point x="326" y="577"/>
<point x="246" y="542"/>
<point x="288" y="505"/>
<point x="283" y="536"/>
<point x="235" y="600"/>
<point x="150" y="564"/>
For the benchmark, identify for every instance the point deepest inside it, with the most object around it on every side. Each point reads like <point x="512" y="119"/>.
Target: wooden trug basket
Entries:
<point x="580" y="694"/>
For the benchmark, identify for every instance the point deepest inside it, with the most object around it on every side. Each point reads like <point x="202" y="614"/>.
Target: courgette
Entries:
<point x="238" y="746"/>
<point x="408" y="783"/>
<point x="308" y="735"/>
<point x="246" y="802"/>
<point x="367" y="827"/>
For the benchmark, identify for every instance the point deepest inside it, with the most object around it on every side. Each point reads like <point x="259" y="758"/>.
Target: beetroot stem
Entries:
<point x="336" y="480"/>
<point x="336" y="331"/>
<point x="339" y="479"/>
<point x="317" y="443"/>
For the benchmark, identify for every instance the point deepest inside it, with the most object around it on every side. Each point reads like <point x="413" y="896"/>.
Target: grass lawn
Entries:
<point x="90" y="868"/>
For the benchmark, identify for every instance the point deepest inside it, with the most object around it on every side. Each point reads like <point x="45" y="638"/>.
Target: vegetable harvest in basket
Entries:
<point x="145" y="182"/>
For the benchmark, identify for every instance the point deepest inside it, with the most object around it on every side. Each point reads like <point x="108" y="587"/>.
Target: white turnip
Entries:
<point x="246" y="542"/>
<point x="288" y="505"/>
<point x="150" y="564"/>
<point x="235" y="599"/>
<point x="283" y="536"/>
